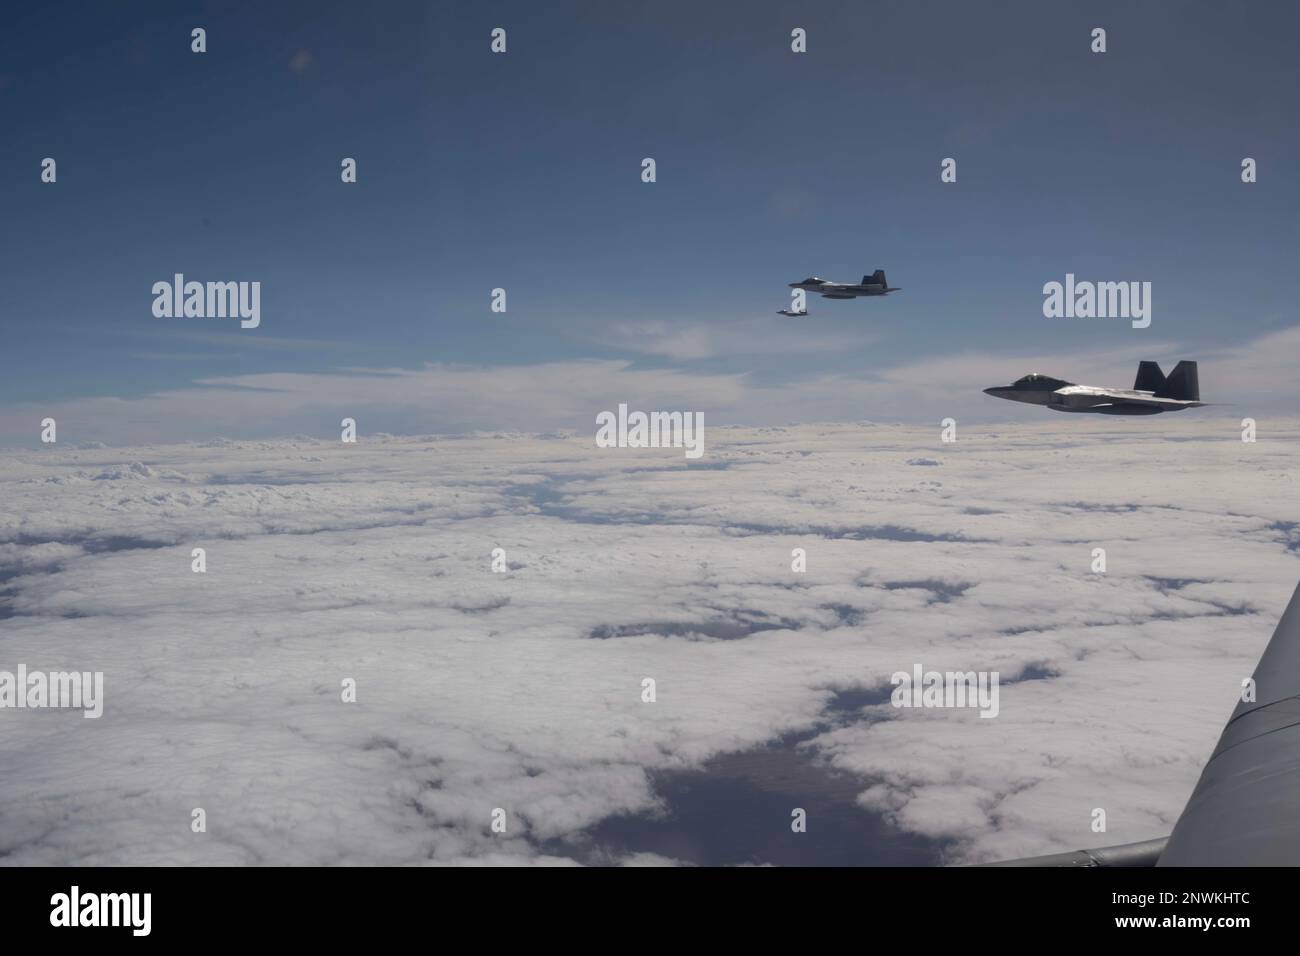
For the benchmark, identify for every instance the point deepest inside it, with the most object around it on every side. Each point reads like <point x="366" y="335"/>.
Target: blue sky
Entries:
<point x="522" y="171"/>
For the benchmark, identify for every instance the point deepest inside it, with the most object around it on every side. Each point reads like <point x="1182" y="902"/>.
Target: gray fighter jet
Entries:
<point x="873" y="284"/>
<point x="1245" y="810"/>
<point x="1151" y="394"/>
<point x="792" y="313"/>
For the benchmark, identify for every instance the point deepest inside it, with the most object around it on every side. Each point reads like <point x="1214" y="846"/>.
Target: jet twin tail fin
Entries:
<point x="1149" y="377"/>
<point x="1182" y="383"/>
<point x="876" y="278"/>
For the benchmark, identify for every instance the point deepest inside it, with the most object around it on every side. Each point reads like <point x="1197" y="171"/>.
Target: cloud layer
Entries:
<point x="523" y="690"/>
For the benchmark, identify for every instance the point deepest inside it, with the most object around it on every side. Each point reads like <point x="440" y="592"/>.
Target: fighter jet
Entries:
<point x="873" y="284"/>
<point x="793" y="313"/>
<point x="1151" y="393"/>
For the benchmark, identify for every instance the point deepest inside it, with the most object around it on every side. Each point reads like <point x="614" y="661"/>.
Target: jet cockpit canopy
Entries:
<point x="1035" y="380"/>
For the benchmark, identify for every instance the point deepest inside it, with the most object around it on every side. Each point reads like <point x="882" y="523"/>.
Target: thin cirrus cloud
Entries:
<point x="691" y="342"/>
<point x="1248" y="379"/>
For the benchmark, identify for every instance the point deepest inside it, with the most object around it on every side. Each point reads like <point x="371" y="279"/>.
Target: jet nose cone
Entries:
<point x="990" y="391"/>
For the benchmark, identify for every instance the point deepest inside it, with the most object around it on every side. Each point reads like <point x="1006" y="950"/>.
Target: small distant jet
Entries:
<point x="873" y="284"/>
<point x="791" y="312"/>
<point x="1151" y="393"/>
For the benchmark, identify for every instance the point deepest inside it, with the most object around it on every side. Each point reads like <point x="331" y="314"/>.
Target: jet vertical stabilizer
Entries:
<point x="1181" y="384"/>
<point x="1149" y="377"/>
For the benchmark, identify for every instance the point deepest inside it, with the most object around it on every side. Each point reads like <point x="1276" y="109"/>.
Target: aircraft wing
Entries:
<point x="1146" y="401"/>
<point x="1245" y="810"/>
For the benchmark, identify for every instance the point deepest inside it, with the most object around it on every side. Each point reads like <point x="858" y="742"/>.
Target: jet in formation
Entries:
<point x="793" y="313"/>
<point x="1151" y="393"/>
<point x="873" y="284"/>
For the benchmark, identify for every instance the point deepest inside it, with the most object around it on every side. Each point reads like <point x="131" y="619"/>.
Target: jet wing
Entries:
<point x="1125" y="855"/>
<point x="1245" y="810"/>
<point x="1139" y="400"/>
